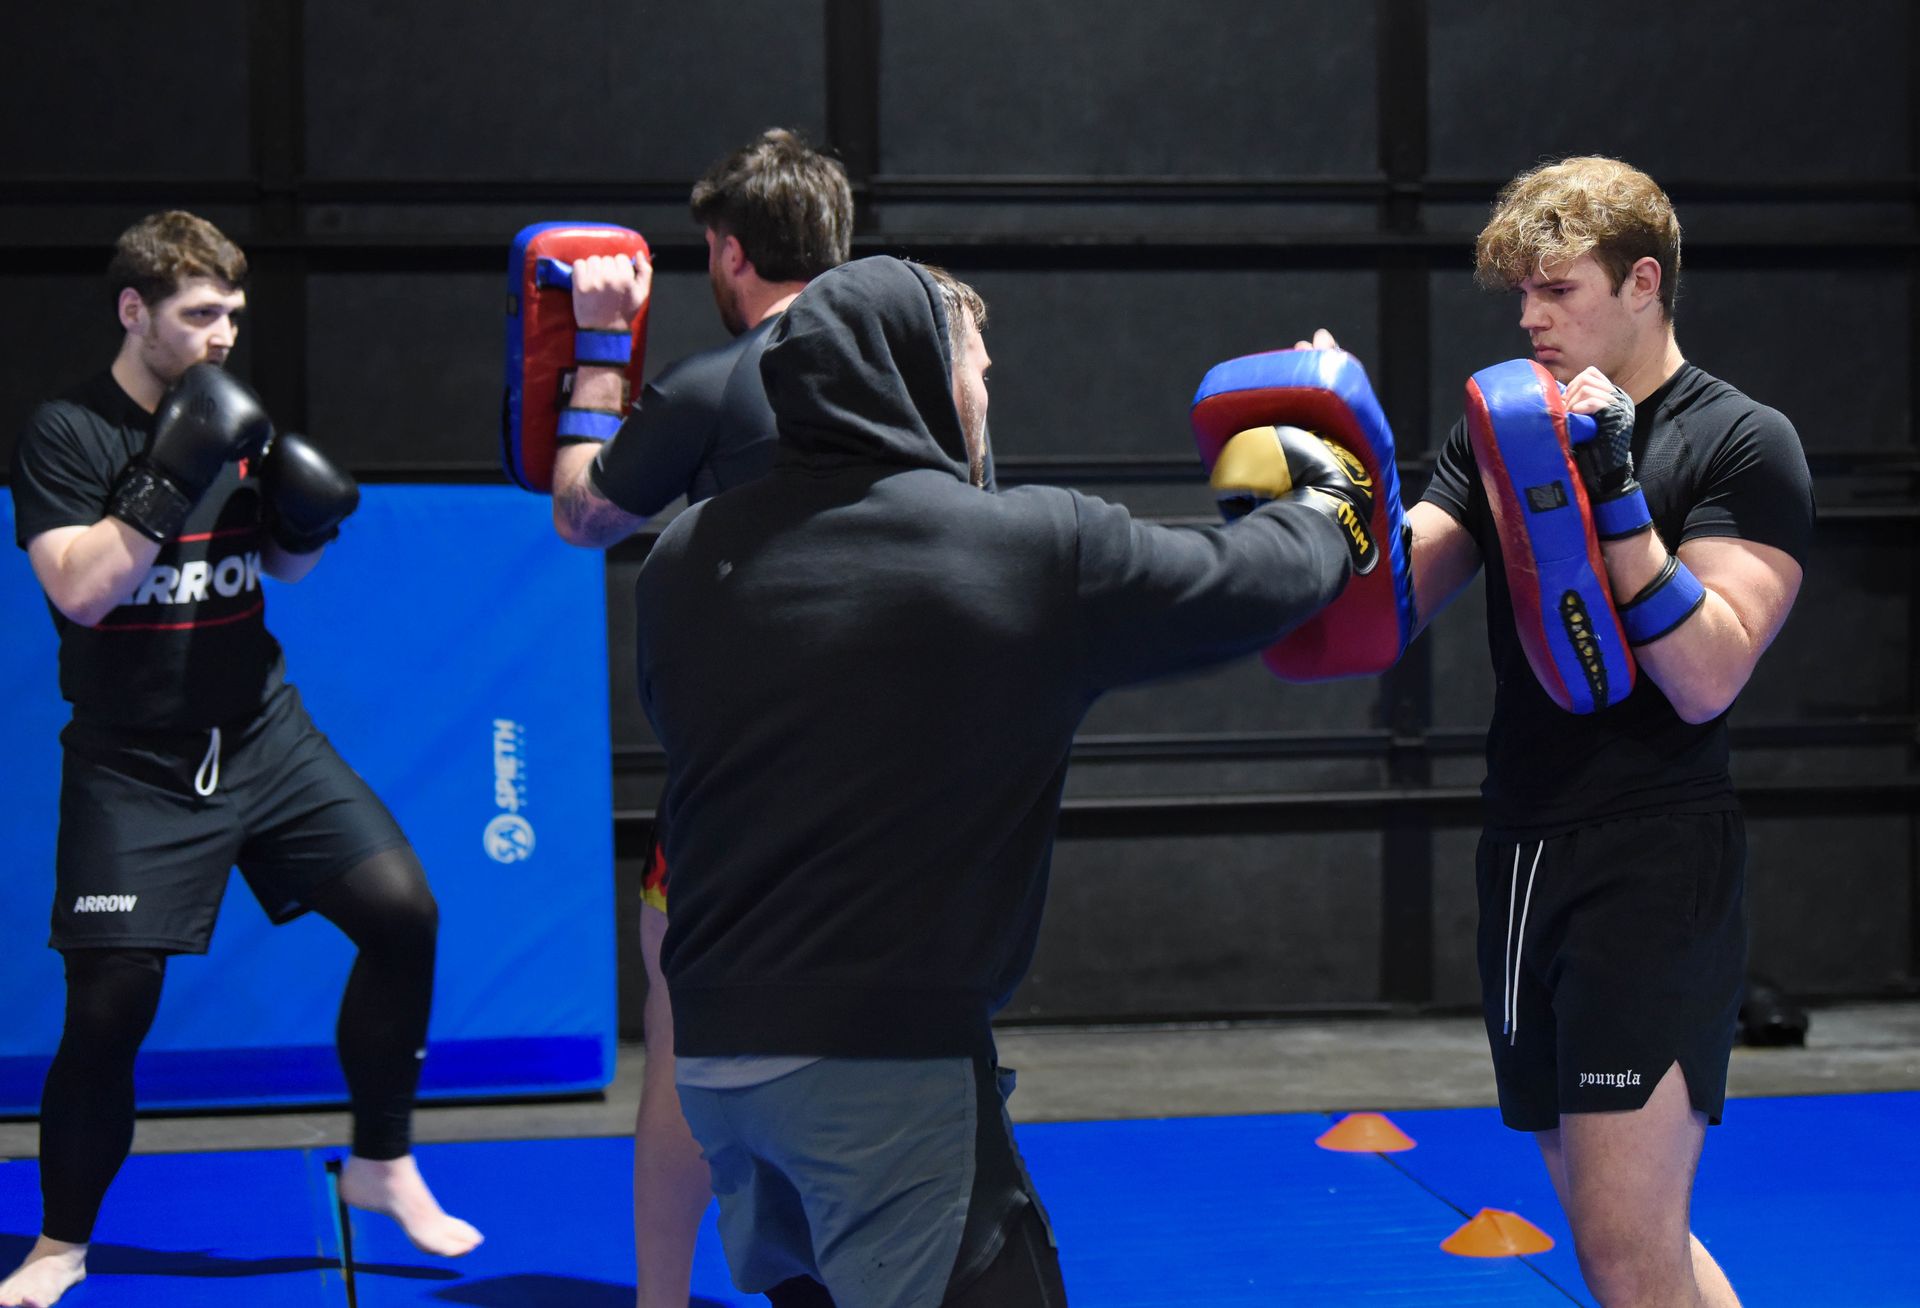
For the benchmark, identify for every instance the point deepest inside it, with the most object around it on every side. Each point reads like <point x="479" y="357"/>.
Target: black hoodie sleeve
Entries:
<point x="1158" y="600"/>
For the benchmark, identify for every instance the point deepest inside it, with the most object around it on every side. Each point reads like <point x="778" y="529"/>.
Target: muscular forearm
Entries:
<point x="1702" y="664"/>
<point x="88" y="571"/>
<point x="581" y="514"/>
<point x="604" y="389"/>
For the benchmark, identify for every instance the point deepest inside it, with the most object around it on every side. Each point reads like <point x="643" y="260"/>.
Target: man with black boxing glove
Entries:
<point x="149" y="501"/>
<point x="1612" y="931"/>
<point x="776" y="214"/>
<point x="866" y="674"/>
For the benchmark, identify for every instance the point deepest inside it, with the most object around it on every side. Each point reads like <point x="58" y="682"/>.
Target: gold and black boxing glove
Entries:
<point x="1262" y="464"/>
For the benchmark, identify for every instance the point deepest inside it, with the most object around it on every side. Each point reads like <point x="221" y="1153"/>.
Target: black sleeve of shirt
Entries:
<point x="58" y="479"/>
<point x="1160" y="600"/>
<point x="1456" y="477"/>
<point x="1757" y="487"/>
<point x="651" y="461"/>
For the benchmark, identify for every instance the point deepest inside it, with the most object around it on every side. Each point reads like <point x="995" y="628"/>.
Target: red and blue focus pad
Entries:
<point x="540" y="343"/>
<point x="1523" y="439"/>
<point x="1366" y="628"/>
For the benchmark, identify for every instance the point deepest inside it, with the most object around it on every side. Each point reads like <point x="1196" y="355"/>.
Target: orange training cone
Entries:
<point x="1496" y="1233"/>
<point x="1365" y="1133"/>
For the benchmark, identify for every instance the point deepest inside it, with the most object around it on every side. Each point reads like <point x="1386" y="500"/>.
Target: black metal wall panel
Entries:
<point x="1462" y="671"/>
<point x="1107" y="769"/>
<point x="1107" y="362"/>
<point x="1470" y="329"/>
<point x="1846" y="649"/>
<point x="1261" y="88"/>
<point x="1239" y="696"/>
<point x="406" y="367"/>
<point x="617" y="91"/>
<point x="1173" y="927"/>
<point x="630" y="727"/>
<point x="1456" y="916"/>
<point x="1717" y="89"/>
<point x="1849" y="391"/>
<point x="104" y="89"/>
<point x="1828" y="902"/>
<point x="58" y="328"/>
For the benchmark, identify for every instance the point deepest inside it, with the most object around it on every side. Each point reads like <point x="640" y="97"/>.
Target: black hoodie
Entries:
<point x="867" y="673"/>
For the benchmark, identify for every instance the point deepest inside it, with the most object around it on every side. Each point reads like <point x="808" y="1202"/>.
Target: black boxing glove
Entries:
<point x="205" y="421"/>
<point x="1271" y="463"/>
<point x="308" y="495"/>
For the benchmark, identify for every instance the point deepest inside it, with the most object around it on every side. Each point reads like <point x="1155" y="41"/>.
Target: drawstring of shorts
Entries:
<point x="207" y="779"/>
<point x="1510" y="989"/>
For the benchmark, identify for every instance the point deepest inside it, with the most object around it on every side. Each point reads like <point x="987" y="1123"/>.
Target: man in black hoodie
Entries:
<point x="866" y="673"/>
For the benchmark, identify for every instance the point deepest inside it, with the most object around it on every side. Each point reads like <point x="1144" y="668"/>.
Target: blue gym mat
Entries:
<point x="1805" y="1202"/>
<point x="240" y="1229"/>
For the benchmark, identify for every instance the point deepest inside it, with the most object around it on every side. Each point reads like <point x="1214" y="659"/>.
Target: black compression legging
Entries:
<point x="384" y="907"/>
<point x="86" y="1112"/>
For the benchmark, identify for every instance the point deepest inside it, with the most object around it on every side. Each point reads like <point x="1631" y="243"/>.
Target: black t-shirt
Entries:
<point x="191" y="647"/>
<point x="1713" y="463"/>
<point x="697" y="429"/>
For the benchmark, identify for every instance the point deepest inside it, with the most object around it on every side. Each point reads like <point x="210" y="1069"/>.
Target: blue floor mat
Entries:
<point x="557" y="1216"/>
<point x="1815" y="1201"/>
<point x="1805" y="1202"/>
<point x="1247" y="1210"/>
<point x="241" y="1229"/>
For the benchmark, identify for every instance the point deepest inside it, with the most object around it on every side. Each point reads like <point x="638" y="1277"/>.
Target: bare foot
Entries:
<point x="394" y="1187"/>
<point x="51" y="1269"/>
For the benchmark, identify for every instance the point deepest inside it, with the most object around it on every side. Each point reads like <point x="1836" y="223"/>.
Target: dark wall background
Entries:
<point x="1139" y="191"/>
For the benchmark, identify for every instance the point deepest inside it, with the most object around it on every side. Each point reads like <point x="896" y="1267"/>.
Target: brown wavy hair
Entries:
<point x="788" y="205"/>
<point x="1589" y="204"/>
<point x="163" y="250"/>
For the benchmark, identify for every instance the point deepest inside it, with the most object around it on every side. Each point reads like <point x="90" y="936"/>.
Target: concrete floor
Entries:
<point x="1079" y="1073"/>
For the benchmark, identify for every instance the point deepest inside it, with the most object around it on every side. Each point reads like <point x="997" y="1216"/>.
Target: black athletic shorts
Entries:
<point x="1607" y="955"/>
<point x="151" y="822"/>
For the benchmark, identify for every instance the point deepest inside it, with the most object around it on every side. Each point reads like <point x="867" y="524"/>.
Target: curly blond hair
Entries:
<point x="1589" y="204"/>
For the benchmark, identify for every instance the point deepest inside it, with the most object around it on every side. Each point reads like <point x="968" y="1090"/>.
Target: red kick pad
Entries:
<point x="540" y="338"/>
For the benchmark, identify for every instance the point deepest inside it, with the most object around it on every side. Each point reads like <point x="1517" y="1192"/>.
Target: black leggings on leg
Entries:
<point x="86" y="1110"/>
<point x="384" y="906"/>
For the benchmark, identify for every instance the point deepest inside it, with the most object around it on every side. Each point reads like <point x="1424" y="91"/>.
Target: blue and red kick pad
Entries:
<point x="540" y="349"/>
<point x="1366" y="628"/>
<point x="1523" y="440"/>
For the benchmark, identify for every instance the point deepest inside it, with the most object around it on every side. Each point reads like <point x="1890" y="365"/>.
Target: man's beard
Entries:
<point x="723" y="300"/>
<point x="973" y="426"/>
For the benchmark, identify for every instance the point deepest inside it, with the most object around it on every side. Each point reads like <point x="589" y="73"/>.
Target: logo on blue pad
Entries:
<point x="509" y="836"/>
<point x="509" y="839"/>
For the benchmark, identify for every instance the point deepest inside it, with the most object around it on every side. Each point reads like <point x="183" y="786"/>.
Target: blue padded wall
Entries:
<point x="454" y="651"/>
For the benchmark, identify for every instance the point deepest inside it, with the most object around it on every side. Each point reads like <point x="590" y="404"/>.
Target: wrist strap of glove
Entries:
<point x="1663" y="604"/>
<point x="150" y="502"/>
<point x="588" y="424"/>
<point x="595" y="347"/>
<point x="1624" y="515"/>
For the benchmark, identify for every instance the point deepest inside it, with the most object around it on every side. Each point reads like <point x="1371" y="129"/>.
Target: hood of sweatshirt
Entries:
<point x="859" y="372"/>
